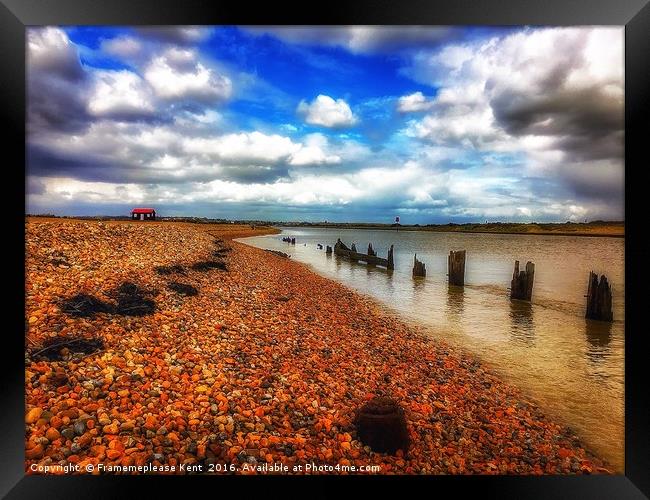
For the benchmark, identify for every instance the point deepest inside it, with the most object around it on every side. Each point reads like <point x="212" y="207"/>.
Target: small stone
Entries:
<point x="56" y="422"/>
<point x="127" y="426"/>
<point x="68" y="433"/>
<point x="111" y="428"/>
<point x="113" y="454"/>
<point x="35" y="453"/>
<point x="79" y="428"/>
<point x="52" y="434"/>
<point x="33" y="415"/>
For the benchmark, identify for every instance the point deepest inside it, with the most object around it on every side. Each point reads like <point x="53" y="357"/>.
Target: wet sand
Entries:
<point x="265" y="365"/>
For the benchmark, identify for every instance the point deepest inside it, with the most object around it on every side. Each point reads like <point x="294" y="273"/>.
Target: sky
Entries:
<point x="352" y="123"/>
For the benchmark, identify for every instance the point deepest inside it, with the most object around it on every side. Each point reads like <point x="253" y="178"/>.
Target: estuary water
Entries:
<point x="571" y="367"/>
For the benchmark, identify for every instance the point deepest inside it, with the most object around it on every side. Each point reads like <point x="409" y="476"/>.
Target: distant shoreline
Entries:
<point x="603" y="230"/>
<point x="609" y="229"/>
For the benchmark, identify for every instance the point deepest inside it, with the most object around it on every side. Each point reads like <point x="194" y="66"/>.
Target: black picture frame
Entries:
<point x="15" y="15"/>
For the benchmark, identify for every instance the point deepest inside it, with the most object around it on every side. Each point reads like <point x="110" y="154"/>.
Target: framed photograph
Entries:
<point x="345" y="243"/>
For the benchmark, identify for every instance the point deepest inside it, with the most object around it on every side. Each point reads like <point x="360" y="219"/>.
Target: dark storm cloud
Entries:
<point x="34" y="186"/>
<point x="362" y="39"/>
<point x="588" y="123"/>
<point x="178" y="35"/>
<point x="602" y="181"/>
<point x="42" y="162"/>
<point x="55" y="105"/>
<point x="254" y="173"/>
<point x="57" y="85"/>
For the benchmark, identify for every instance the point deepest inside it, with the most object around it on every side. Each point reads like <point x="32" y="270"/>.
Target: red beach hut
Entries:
<point x="143" y="214"/>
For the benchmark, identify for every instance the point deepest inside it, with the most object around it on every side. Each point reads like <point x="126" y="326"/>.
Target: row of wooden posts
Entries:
<point x="599" y="293"/>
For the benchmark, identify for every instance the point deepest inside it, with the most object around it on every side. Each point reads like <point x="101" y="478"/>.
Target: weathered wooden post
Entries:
<point x="353" y="248"/>
<point x="521" y="286"/>
<point x="370" y="250"/>
<point x="328" y="249"/>
<point x="391" y="262"/>
<point x="599" y="299"/>
<point x="456" y="267"/>
<point x="419" y="268"/>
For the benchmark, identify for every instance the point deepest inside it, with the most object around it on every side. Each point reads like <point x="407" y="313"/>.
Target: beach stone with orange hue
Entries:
<point x="35" y="453"/>
<point x="381" y="424"/>
<point x="113" y="454"/>
<point x="111" y="428"/>
<point x="52" y="434"/>
<point x="33" y="415"/>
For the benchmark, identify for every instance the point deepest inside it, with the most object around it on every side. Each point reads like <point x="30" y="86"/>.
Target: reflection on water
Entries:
<point x="418" y="283"/>
<point x="571" y="367"/>
<point x="455" y="302"/>
<point x="599" y="336"/>
<point x="523" y="326"/>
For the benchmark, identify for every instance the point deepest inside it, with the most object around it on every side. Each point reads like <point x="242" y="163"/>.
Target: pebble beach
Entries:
<point x="170" y="346"/>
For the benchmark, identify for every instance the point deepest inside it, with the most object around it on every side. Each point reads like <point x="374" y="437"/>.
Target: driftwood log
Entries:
<point x="456" y="267"/>
<point x="599" y="299"/>
<point x="278" y="253"/>
<point x="521" y="287"/>
<point x="419" y="268"/>
<point x="342" y="250"/>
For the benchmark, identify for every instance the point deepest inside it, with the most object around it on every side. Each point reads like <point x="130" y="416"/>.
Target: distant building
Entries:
<point x="143" y="214"/>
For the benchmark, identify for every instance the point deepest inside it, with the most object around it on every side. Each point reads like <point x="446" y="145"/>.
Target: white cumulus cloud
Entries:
<point x="119" y="93"/>
<point x="122" y="46"/>
<point x="313" y="152"/>
<point x="413" y="103"/>
<point x="177" y="74"/>
<point x="327" y="112"/>
<point x="245" y="147"/>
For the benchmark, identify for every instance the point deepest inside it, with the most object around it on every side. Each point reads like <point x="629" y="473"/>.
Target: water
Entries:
<point x="572" y="368"/>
